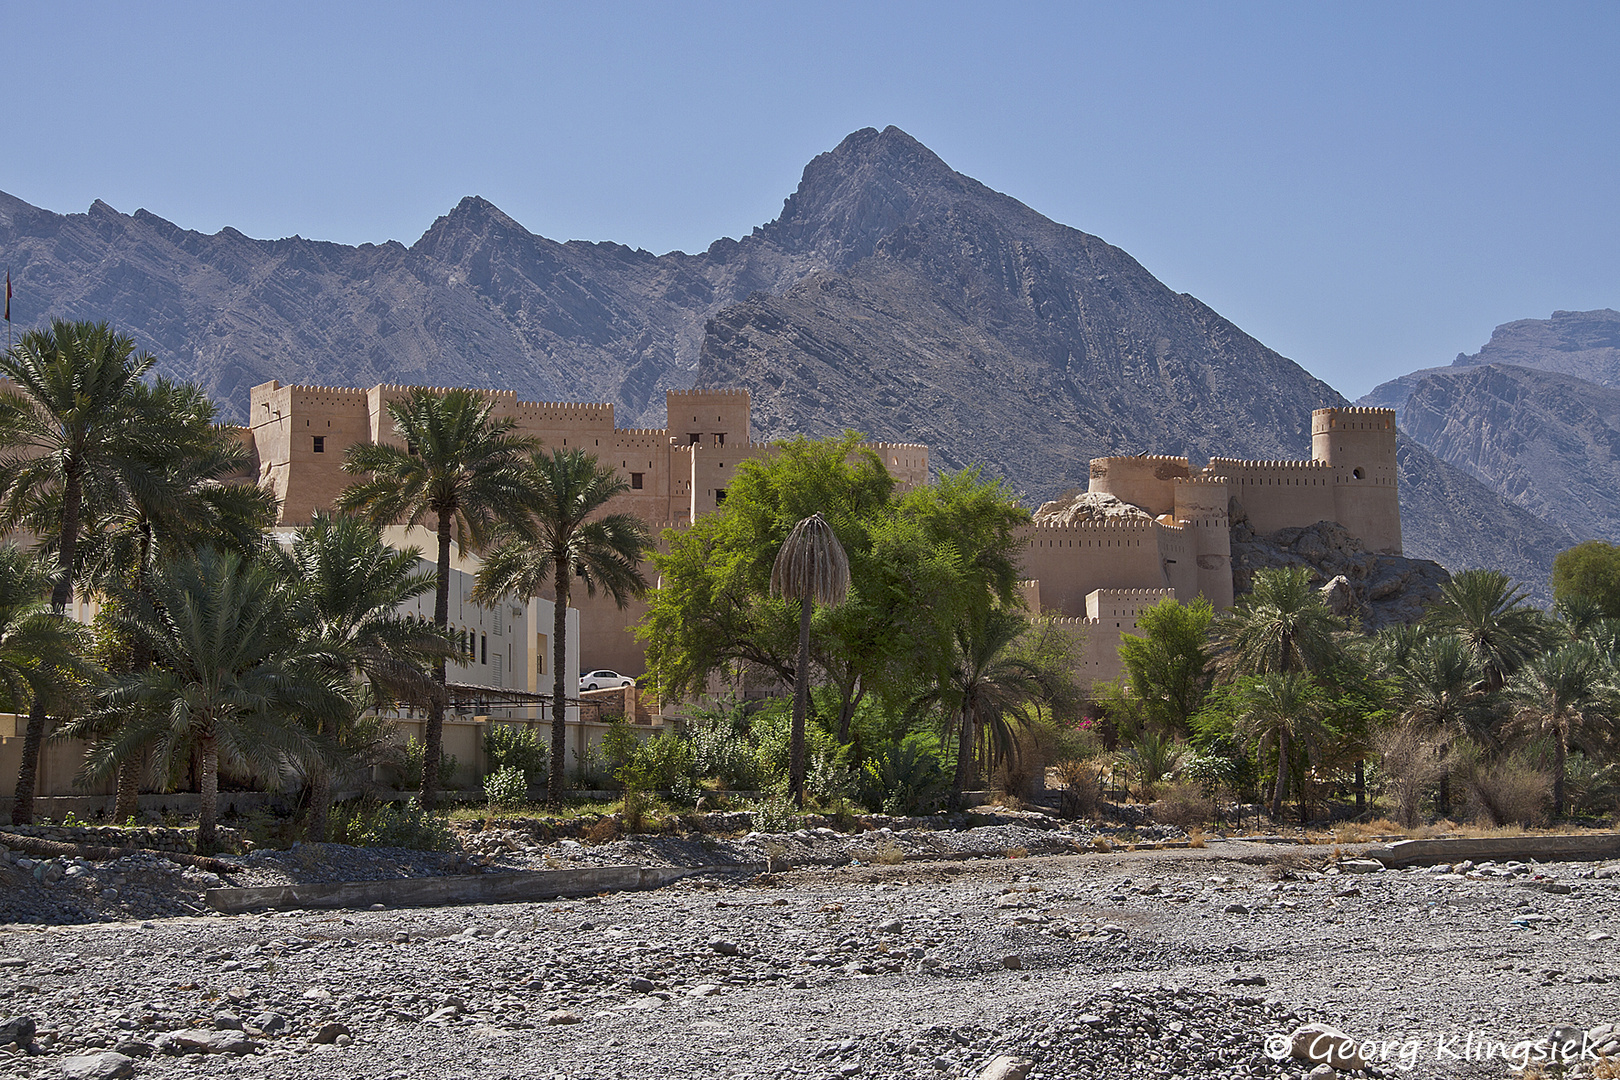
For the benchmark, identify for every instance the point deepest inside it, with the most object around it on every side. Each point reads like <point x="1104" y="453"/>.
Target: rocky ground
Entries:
<point x="1128" y="964"/>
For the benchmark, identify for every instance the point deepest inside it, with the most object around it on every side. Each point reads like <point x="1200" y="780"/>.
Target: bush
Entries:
<point x="1507" y="792"/>
<point x="411" y="766"/>
<point x="1409" y="765"/>
<point x="720" y="752"/>
<point x="827" y="773"/>
<point x="775" y="815"/>
<point x="1082" y="790"/>
<point x="1183" y="805"/>
<point x="369" y="824"/>
<point x="619" y="745"/>
<point x="907" y="779"/>
<point x="510" y="746"/>
<point x="1591" y="788"/>
<point x="506" y="787"/>
<point x="659" y="764"/>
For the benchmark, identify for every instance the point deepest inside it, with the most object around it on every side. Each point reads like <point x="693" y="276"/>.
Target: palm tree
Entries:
<point x="70" y="434"/>
<point x="556" y="540"/>
<point x="1486" y="610"/>
<point x="990" y="685"/>
<point x="461" y="469"/>
<point x="229" y="682"/>
<point x="1282" y="625"/>
<point x="174" y="501"/>
<point x="812" y="568"/>
<point x="39" y="653"/>
<point x="347" y="589"/>
<point x="1565" y="695"/>
<point x="1440" y="694"/>
<point x="1281" y="709"/>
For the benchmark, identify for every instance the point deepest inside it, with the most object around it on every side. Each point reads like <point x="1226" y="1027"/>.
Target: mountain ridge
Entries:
<point x="891" y="293"/>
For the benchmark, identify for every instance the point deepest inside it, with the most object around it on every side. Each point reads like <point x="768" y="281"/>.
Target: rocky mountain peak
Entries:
<point x="855" y="194"/>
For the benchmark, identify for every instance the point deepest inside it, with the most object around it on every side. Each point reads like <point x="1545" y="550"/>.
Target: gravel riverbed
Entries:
<point x="1141" y="964"/>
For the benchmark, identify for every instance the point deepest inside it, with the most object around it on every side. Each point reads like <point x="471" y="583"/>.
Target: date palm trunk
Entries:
<point x="208" y="794"/>
<point x="555" y="777"/>
<point x="433" y="735"/>
<point x="801" y="707"/>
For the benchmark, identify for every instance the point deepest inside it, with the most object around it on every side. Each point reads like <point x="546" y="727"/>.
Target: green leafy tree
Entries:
<point x="1441" y="695"/>
<point x="1168" y="664"/>
<point x="1590" y="570"/>
<point x="558" y="536"/>
<point x="230" y="680"/>
<point x="346" y="590"/>
<point x="1565" y="695"/>
<point x="70" y="434"/>
<point x="1488" y="612"/>
<point x="459" y="469"/>
<point x="41" y="656"/>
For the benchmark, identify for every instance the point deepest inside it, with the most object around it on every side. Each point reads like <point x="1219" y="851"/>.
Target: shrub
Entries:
<point x="619" y="745"/>
<point x="1409" y="765"/>
<point x="775" y="814"/>
<point x="658" y="764"/>
<point x="411" y="766"/>
<point x="827" y="775"/>
<point x="1082" y="790"/>
<point x="370" y="824"/>
<point x="510" y="746"/>
<point x="1591" y="788"/>
<point x="721" y="752"/>
<point x="1508" y="791"/>
<point x="506" y="787"/>
<point x="908" y="779"/>
<point x="1183" y="805"/>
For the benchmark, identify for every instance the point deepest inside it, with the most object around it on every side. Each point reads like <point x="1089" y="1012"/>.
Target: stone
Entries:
<point x="1012" y="962"/>
<point x="330" y="1033"/>
<point x="17" y="1029"/>
<point x="134" y="1048"/>
<point x="723" y="947"/>
<point x="1325" y="1045"/>
<point x="227" y="1021"/>
<point x="703" y="990"/>
<point x="203" y="1041"/>
<point x="104" y="1065"/>
<point x="563" y="1017"/>
<point x="640" y="986"/>
<point x="1235" y="909"/>
<point x="890" y="926"/>
<point x="1361" y="866"/>
<point x="1006" y="1067"/>
<point x="270" y="1023"/>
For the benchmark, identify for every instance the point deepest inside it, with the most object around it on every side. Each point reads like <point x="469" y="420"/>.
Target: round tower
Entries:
<point x="1359" y="444"/>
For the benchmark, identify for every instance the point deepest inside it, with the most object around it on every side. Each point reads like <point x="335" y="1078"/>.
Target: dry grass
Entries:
<point x="1195" y="839"/>
<point x="1361" y="832"/>
<point x="1017" y="853"/>
<point x="603" y="831"/>
<point x="889" y="852"/>
<point x="1100" y="844"/>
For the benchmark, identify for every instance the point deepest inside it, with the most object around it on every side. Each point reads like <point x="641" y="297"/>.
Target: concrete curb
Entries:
<point x="461" y="889"/>
<point x="1543" y="848"/>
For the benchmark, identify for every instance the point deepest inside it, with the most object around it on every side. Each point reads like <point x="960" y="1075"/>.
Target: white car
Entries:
<point x="603" y="679"/>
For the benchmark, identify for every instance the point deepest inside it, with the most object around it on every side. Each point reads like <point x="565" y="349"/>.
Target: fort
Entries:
<point x="1094" y="570"/>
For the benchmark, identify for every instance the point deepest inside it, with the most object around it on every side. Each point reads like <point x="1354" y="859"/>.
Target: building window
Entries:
<point x="540" y="654"/>
<point x="320" y="444"/>
<point x="693" y="438"/>
<point x="635" y="480"/>
<point x="720" y="438"/>
<point x="483" y="642"/>
<point x="719" y="496"/>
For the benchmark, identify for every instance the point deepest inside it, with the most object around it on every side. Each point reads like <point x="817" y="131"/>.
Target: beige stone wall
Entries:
<point x="1279" y="494"/>
<point x="1070" y="561"/>
<point x="1202" y="504"/>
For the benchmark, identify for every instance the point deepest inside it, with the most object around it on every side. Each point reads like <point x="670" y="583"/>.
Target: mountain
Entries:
<point x="892" y="294"/>
<point x="1585" y="344"/>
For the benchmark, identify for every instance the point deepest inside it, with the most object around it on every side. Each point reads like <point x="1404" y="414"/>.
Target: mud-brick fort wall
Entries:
<point x="1071" y="561"/>
<point x="1359" y="445"/>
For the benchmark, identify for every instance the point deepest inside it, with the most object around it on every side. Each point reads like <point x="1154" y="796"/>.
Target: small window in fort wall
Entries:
<point x="719" y="438"/>
<point x="636" y="480"/>
<point x="719" y="496"/>
<point x="320" y="444"/>
<point x="1358" y="474"/>
<point x="693" y="438"/>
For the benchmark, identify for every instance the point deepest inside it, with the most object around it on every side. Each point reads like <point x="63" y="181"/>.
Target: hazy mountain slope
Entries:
<point x="1585" y="344"/>
<point x="1549" y="442"/>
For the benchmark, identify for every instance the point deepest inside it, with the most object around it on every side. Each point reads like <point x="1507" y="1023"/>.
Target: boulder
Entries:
<point x="1006" y="1067"/>
<point x="105" y="1065"/>
<point x="1325" y="1045"/>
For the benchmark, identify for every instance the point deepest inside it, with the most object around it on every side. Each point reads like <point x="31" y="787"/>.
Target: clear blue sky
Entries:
<point x="1367" y="188"/>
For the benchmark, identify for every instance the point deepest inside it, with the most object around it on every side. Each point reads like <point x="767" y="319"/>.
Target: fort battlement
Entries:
<point x="697" y="393"/>
<point x="640" y="433"/>
<point x="894" y="446"/>
<point x="1355" y="410"/>
<point x="1239" y="463"/>
<point x="1146" y="459"/>
<point x="1133" y="594"/>
<point x="338" y="391"/>
<point x="1096" y="525"/>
